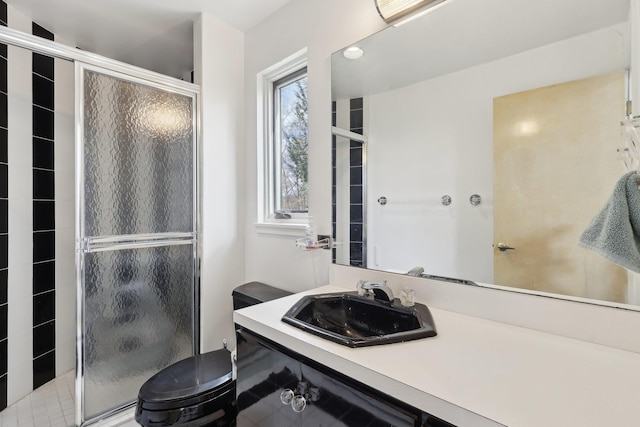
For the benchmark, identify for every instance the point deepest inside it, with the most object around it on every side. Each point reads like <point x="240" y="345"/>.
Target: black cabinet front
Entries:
<point x="279" y="388"/>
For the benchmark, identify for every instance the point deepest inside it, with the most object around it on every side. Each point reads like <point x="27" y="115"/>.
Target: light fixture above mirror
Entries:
<point x="392" y="10"/>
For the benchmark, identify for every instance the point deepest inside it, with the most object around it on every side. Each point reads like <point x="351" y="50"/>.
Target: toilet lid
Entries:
<point x="202" y="374"/>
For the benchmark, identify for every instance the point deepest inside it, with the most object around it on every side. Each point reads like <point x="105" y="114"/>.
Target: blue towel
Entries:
<point x="615" y="232"/>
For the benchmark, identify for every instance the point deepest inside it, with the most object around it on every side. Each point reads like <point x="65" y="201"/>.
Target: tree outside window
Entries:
<point x="292" y="144"/>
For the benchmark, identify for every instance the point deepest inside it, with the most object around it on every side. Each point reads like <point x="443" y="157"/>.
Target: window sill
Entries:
<point x="281" y="228"/>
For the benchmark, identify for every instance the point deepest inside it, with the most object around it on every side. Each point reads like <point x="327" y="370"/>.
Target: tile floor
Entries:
<point x="52" y="405"/>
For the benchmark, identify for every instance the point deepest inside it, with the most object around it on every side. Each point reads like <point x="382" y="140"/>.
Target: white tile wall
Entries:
<point x="64" y="166"/>
<point x="20" y="276"/>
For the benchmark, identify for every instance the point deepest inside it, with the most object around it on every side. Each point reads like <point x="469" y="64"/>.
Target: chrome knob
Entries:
<point x="314" y="394"/>
<point x="298" y="403"/>
<point x="287" y="396"/>
<point x="302" y="388"/>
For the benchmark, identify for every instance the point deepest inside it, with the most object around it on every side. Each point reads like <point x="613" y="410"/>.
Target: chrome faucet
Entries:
<point x="374" y="290"/>
<point x="415" y="271"/>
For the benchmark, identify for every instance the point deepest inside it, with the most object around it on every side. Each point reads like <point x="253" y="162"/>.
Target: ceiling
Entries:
<point x="153" y="34"/>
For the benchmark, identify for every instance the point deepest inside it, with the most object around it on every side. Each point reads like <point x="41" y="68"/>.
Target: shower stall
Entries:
<point x="136" y="221"/>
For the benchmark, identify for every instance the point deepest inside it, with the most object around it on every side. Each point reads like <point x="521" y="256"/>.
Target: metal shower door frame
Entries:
<point x="93" y="244"/>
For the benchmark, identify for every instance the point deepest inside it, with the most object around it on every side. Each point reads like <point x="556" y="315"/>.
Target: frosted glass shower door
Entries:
<point x="136" y="236"/>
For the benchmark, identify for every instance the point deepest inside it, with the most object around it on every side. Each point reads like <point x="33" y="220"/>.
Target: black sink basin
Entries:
<point x="356" y="321"/>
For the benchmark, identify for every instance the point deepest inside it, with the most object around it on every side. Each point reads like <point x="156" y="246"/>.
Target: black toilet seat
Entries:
<point x="188" y="382"/>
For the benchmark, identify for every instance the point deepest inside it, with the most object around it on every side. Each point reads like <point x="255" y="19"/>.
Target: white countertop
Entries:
<point x="478" y="372"/>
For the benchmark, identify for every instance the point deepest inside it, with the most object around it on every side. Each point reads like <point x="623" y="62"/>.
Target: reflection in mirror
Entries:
<point x="349" y="151"/>
<point x="518" y="102"/>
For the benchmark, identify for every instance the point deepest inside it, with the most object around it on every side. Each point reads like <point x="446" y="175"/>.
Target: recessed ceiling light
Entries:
<point x="353" y="52"/>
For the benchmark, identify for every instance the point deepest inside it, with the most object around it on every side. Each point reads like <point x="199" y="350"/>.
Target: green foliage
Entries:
<point x="295" y="151"/>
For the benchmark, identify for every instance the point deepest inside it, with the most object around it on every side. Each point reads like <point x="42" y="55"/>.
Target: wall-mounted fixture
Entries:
<point x="445" y="200"/>
<point x="391" y="10"/>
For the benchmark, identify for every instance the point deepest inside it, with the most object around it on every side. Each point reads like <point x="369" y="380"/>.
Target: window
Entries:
<point x="290" y="144"/>
<point x="283" y="146"/>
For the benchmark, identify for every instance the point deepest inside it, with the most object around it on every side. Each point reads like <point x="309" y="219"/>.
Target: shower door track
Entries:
<point x="54" y="49"/>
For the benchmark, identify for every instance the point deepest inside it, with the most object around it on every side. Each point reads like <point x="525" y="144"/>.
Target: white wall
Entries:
<point x="219" y="64"/>
<point x="436" y="137"/>
<point x="323" y="27"/>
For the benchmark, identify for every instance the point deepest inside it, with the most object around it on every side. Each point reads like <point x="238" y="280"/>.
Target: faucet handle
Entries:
<point x="408" y="297"/>
<point x="361" y="288"/>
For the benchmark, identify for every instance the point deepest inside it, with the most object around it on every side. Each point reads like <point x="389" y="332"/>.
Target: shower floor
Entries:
<point x="52" y="405"/>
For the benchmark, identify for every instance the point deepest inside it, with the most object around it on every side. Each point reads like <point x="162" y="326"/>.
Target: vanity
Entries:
<point x="426" y="162"/>
<point x="278" y="387"/>
<point x="475" y="372"/>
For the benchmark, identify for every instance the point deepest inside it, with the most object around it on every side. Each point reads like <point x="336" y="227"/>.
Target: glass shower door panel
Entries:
<point x="137" y="236"/>
<point x="138" y="320"/>
<point x="138" y="158"/>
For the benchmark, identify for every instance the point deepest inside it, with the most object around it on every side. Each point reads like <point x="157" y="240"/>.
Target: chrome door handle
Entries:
<point x="503" y="247"/>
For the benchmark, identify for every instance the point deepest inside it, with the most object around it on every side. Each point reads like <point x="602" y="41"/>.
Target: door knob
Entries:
<point x="504" y="247"/>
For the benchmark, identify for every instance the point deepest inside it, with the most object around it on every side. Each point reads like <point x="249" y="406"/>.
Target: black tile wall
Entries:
<point x="42" y="153"/>
<point x="356" y="104"/>
<point x="3" y="13"/>
<point x="41" y="32"/>
<point x="356" y="175"/>
<point x="43" y="65"/>
<point x="44" y="369"/>
<point x="4" y="181"/>
<point x="357" y="240"/>
<point x="355" y="157"/>
<point x="3" y="75"/>
<point x="355" y="215"/>
<point x="42" y="122"/>
<point x="356" y="120"/>
<point x="4" y="251"/>
<point x="4" y="207"/>
<point x="44" y="338"/>
<point x="3" y="391"/>
<point x="333" y="181"/>
<point x="357" y="236"/>
<point x="3" y="357"/>
<point x="3" y="373"/>
<point x="44" y="295"/>
<point x="4" y="137"/>
<point x="355" y="194"/>
<point x="44" y="308"/>
<point x="42" y="92"/>
<point x="356" y="232"/>
<point x="4" y="288"/>
<point x="43" y="215"/>
<point x="4" y="117"/>
<point x="44" y="246"/>
<point x="43" y="184"/>
<point x="3" y="322"/>
<point x="44" y="274"/>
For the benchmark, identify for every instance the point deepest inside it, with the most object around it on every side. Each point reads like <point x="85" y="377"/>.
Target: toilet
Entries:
<point x="199" y="390"/>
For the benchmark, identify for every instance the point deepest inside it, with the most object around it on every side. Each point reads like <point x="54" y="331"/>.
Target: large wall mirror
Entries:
<point x="484" y="123"/>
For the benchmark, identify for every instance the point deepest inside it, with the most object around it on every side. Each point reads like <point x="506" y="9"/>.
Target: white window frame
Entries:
<point x="267" y="173"/>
